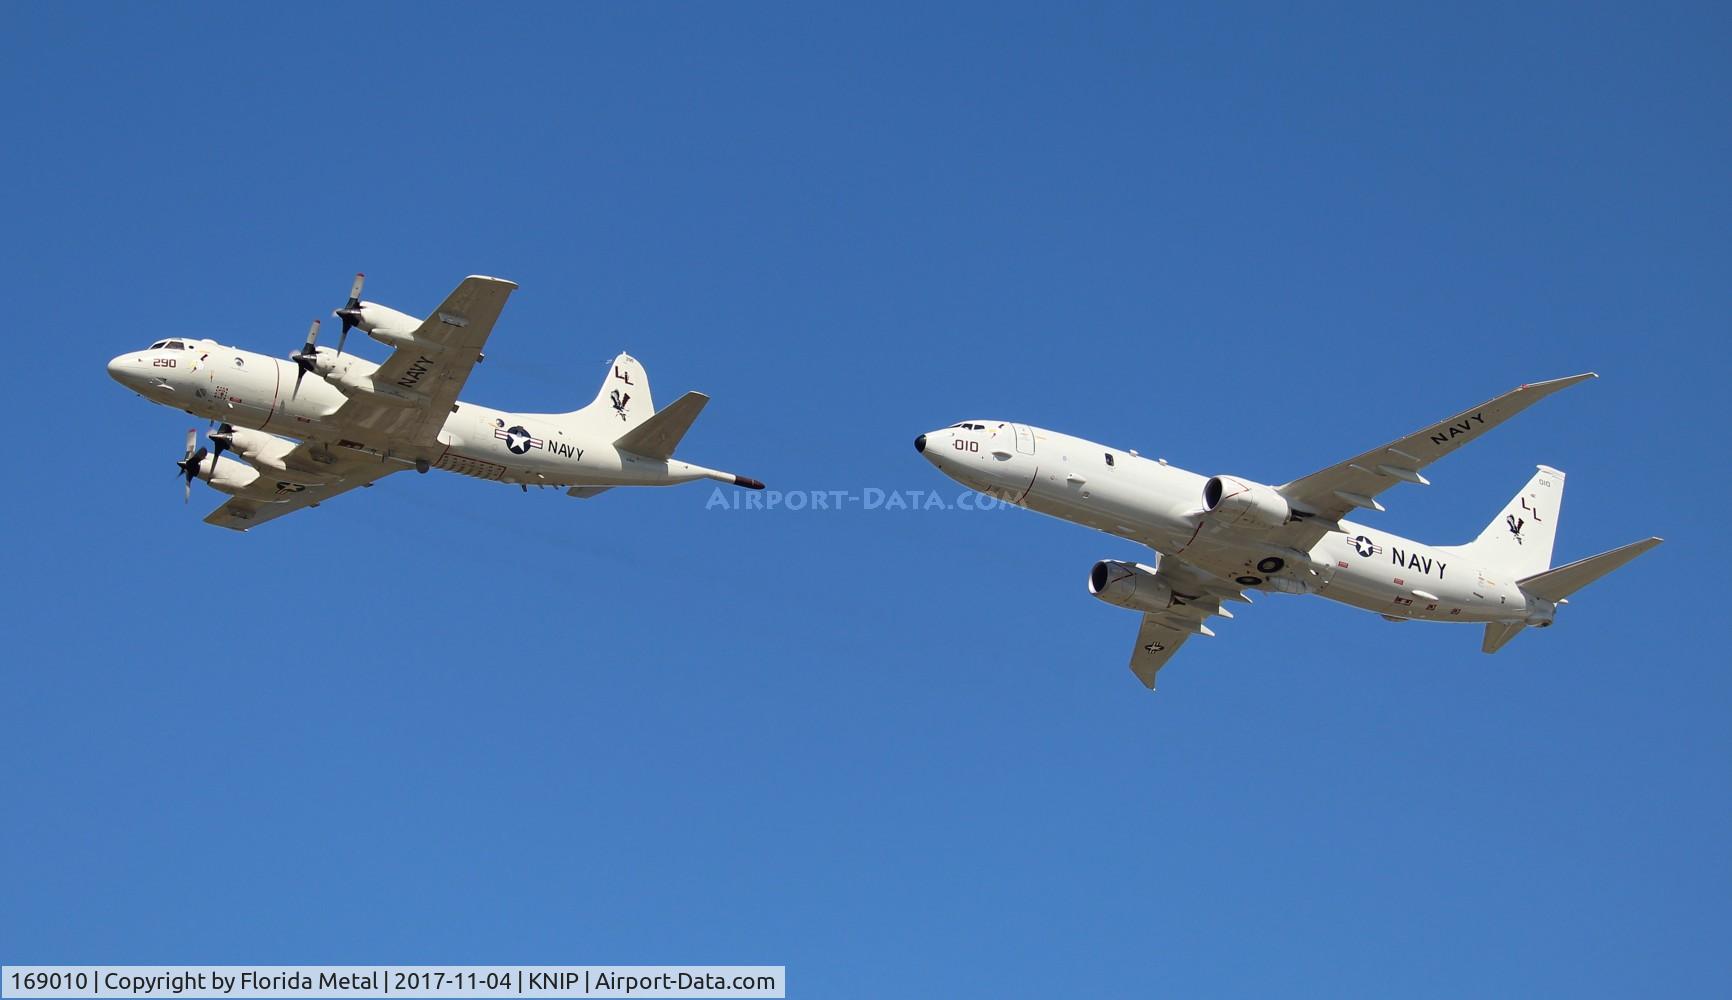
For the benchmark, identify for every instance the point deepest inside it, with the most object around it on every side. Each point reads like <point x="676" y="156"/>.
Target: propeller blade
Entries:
<point x="185" y="463"/>
<point x="351" y="311"/>
<point x="223" y="437"/>
<point x="305" y="357"/>
<point x="189" y="465"/>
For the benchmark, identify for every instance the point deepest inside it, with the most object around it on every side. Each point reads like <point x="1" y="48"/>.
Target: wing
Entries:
<point x="446" y="347"/>
<point x="1196" y="596"/>
<point x="1157" y="641"/>
<point x="1323" y="498"/>
<point x="261" y="502"/>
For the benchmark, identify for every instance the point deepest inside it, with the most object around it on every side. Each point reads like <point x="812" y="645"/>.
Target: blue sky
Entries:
<point x="899" y="752"/>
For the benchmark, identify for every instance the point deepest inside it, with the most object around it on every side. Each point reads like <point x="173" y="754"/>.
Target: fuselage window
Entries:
<point x="1109" y="459"/>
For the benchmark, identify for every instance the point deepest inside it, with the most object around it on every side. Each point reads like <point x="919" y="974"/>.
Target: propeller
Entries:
<point x="350" y="314"/>
<point x="189" y="465"/>
<point x="224" y="440"/>
<point x="306" y="357"/>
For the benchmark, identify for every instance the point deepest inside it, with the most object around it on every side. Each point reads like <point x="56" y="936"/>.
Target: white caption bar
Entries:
<point x="314" y="981"/>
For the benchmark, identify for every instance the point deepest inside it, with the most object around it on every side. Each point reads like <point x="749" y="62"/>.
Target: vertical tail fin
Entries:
<point x="623" y="401"/>
<point x="1519" y="540"/>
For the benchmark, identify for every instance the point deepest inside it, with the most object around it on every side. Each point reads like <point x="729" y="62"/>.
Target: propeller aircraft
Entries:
<point x="300" y="441"/>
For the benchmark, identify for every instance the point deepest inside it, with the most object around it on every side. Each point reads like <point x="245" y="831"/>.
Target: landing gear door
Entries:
<point x="1024" y="439"/>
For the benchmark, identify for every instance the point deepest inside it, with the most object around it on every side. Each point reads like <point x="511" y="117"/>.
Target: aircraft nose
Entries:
<point x="117" y="368"/>
<point x="919" y="442"/>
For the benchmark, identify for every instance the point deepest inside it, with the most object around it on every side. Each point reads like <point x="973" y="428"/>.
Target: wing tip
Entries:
<point x="1559" y="383"/>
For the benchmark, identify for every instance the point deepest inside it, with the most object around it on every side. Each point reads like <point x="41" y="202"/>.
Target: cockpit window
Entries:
<point x="970" y="427"/>
<point x="175" y="345"/>
<point x="159" y="345"/>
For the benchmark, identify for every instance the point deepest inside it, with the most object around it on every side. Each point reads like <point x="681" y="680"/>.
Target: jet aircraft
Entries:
<point x="1218" y="538"/>
<point x="305" y="440"/>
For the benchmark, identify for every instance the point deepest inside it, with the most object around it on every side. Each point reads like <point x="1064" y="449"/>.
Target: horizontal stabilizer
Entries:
<point x="1498" y="633"/>
<point x="1556" y="584"/>
<point x="658" y="436"/>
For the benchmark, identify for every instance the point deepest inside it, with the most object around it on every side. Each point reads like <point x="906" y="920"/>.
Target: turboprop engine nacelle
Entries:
<point x="267" y="452"/>
<point x="334" y="367"/>
<point x="387" y="325"/>
<point x="353" y="376"/>
<point x="261" y="449"/>
<point x="1241" y="501"/>
<point x="1129" y="585"/>
<point x="229" y="476"/>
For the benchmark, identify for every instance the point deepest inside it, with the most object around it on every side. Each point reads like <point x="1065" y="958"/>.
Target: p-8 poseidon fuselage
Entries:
<point x="1223" y="536"/>
<point x="354" y="421"/>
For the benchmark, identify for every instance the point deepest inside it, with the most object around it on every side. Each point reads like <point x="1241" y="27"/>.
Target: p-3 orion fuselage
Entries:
<point x="326" y="421"/>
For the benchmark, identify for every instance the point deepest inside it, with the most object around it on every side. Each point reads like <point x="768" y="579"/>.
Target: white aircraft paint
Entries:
<point x="1221" y="537"/>
<point x="353" y="421"/>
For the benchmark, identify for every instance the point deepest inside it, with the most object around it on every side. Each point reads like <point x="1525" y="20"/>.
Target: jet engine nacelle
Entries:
<point x="1240" y="501"/>
<point x="1129" y="585"/>
<point x="386" y="325"/>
